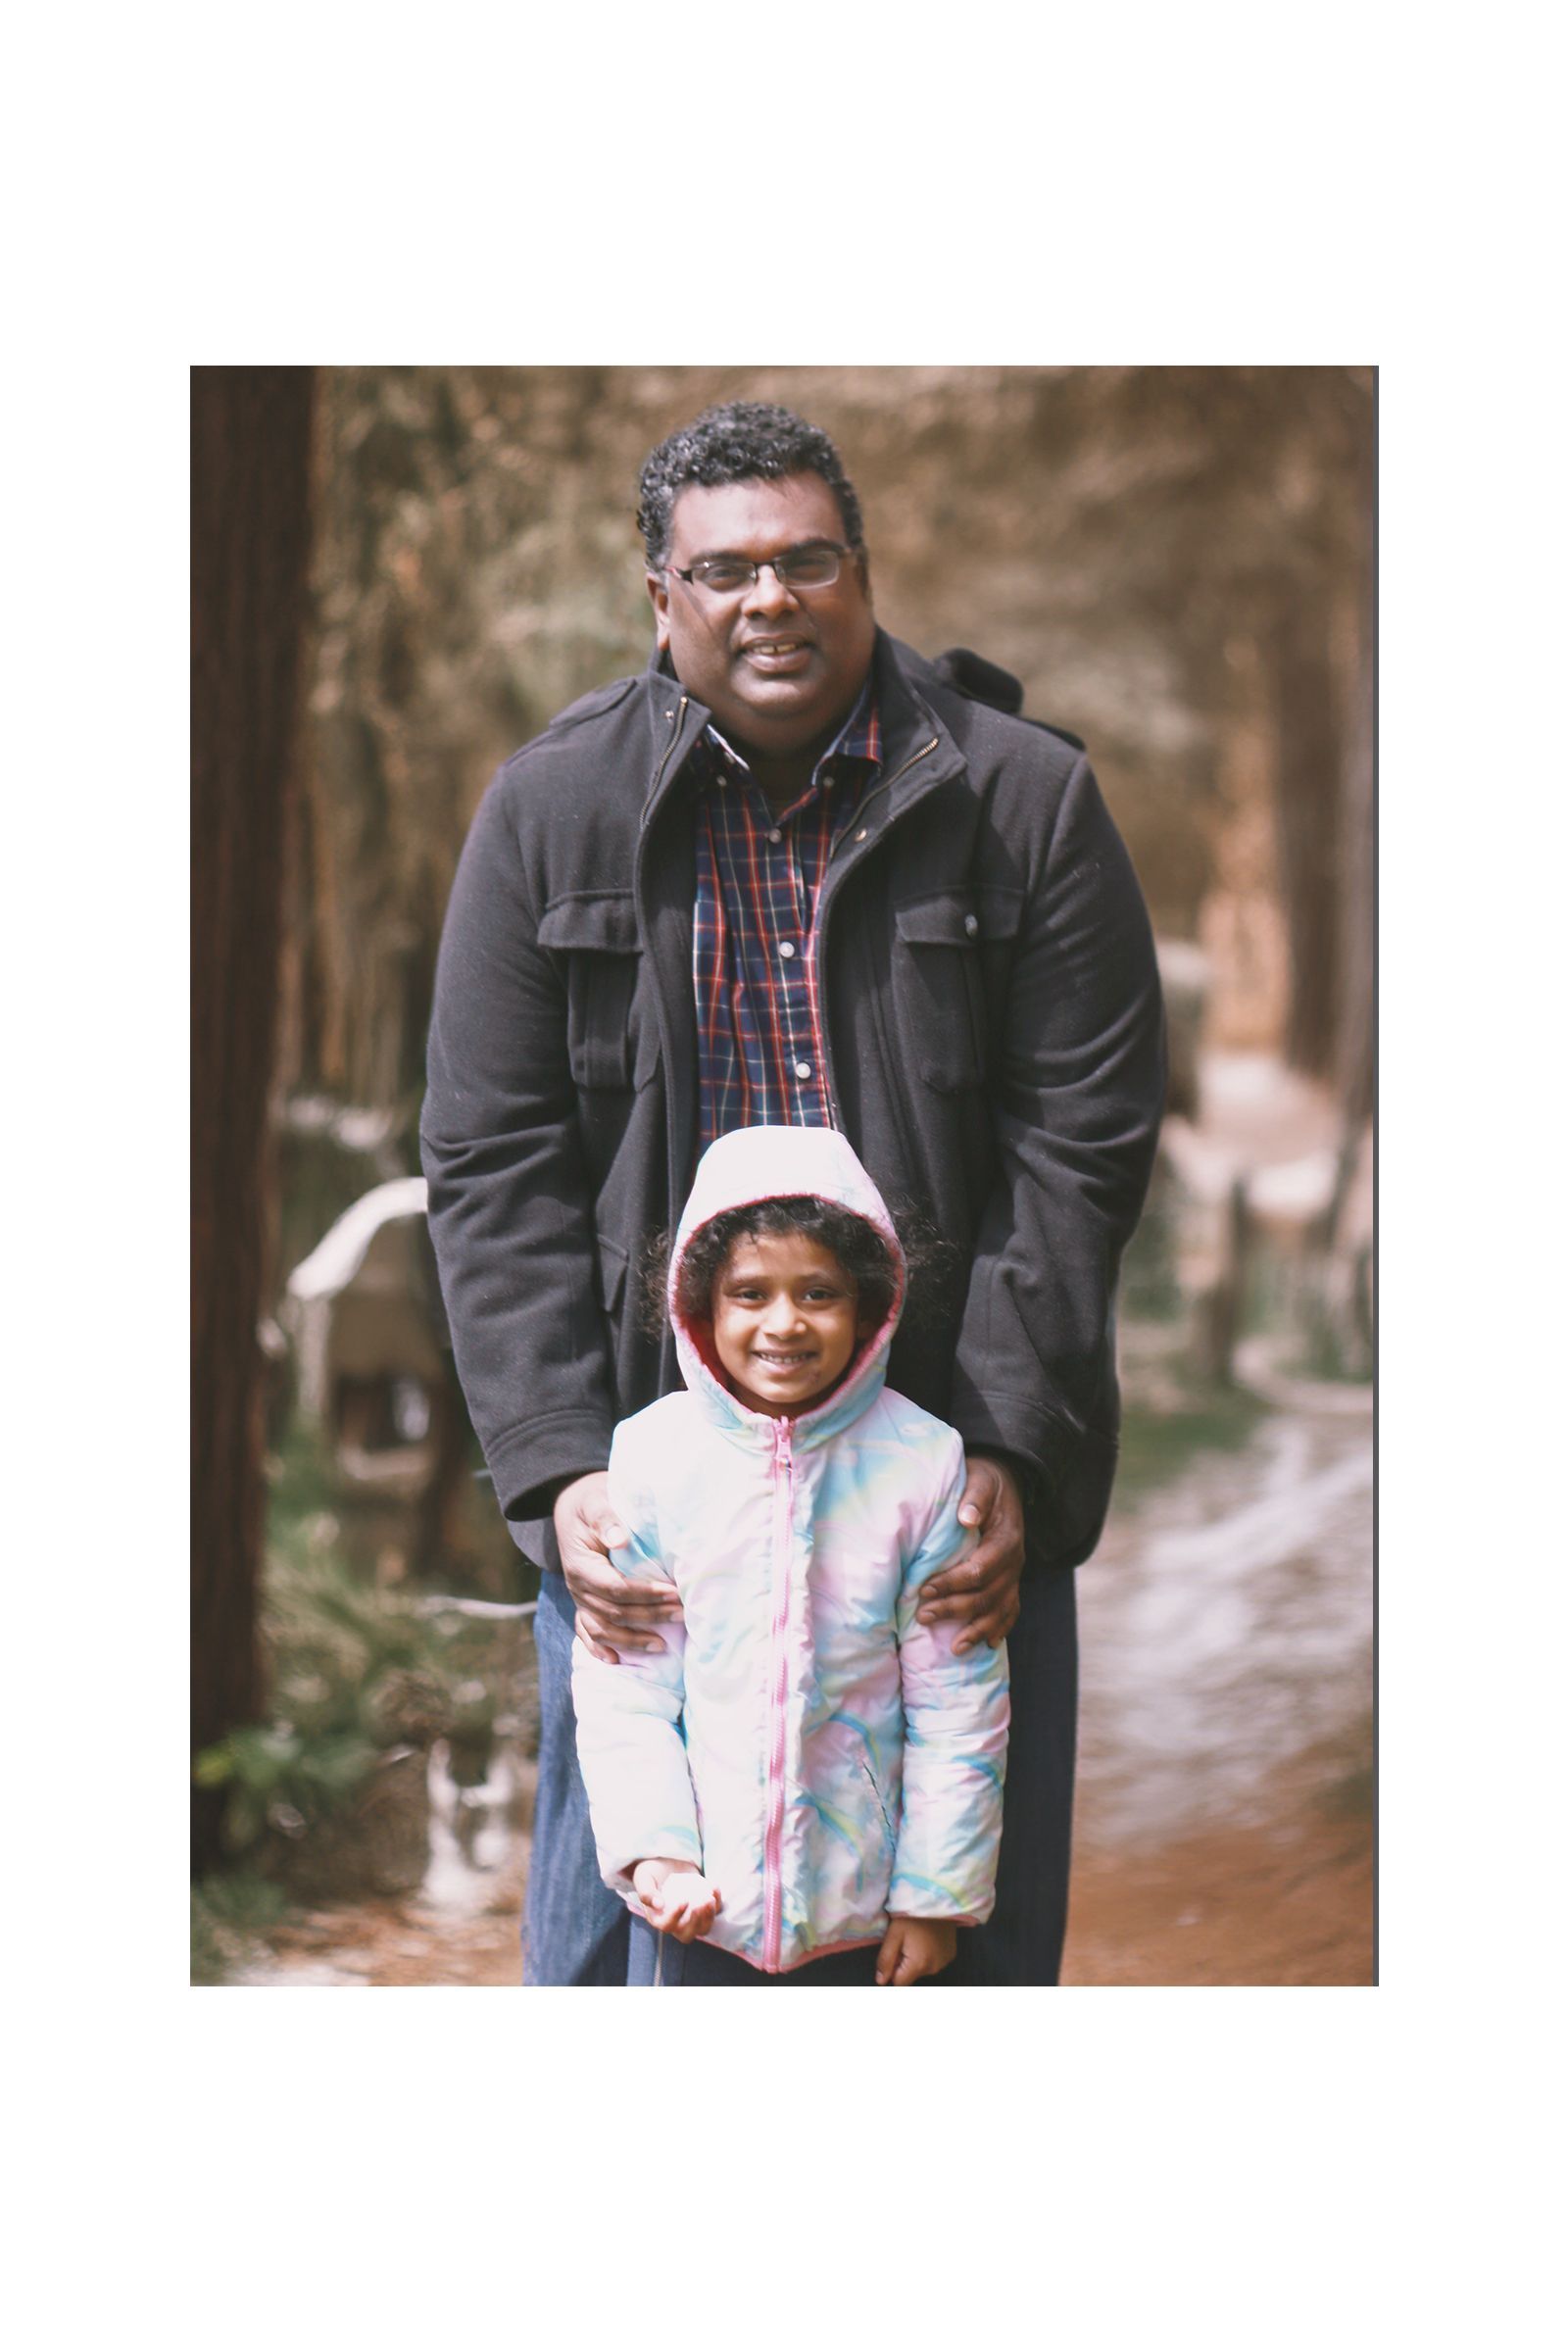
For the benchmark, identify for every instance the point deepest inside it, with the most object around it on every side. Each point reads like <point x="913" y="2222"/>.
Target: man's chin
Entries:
<point x="779" y="715"/>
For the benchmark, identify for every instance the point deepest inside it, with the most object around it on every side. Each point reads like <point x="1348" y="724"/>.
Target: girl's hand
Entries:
<point x="913" y="1948"/>
<point x="679" y="1900"/>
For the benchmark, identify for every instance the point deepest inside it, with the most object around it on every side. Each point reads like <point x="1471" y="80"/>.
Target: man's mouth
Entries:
<point x="782" y="654"/>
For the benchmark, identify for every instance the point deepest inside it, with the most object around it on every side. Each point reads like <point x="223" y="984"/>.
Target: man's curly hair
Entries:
<point x="743" y="441"/>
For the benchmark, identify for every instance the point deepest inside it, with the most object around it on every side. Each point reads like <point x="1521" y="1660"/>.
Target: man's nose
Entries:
<point x="768" y="592"/>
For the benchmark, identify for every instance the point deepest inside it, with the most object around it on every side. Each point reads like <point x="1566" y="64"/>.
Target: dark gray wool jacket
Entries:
<point x="996" y="1057"/>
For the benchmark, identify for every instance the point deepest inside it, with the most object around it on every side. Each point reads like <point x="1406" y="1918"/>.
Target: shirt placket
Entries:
<point x="789" y="897"/>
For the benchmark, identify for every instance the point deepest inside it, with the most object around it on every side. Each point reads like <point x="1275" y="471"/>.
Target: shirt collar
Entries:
<point x="860" y="738"/>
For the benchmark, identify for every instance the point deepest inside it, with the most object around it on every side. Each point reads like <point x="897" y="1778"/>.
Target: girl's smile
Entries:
<point x="785" y="1321"/>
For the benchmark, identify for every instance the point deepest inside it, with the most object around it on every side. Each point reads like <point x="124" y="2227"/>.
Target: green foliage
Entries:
<point x="277" y="1776"/>
<point x="1157" y="1445"/>
<point x="355" y="1668"/>
<point x="226" y="1914"/>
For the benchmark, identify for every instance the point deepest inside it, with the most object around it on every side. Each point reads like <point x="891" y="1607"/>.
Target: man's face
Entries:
<point x="777" y="667"/>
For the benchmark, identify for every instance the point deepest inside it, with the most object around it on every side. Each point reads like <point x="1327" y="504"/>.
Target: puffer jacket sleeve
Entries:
<point x="630" y="1742"/>
<point x="955" y="1709"/>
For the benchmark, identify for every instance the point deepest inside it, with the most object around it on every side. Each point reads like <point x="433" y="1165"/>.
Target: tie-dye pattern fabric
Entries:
<point x="823" y="1757"/>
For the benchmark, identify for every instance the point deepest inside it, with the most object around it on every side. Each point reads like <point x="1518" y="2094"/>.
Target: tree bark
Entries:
<point x="1357" y="951"/>
<point x="250" y="533"/>
<point x="1308" y="831"/>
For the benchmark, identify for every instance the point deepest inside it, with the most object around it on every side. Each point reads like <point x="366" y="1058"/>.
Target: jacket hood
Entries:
<point x="773" y="1163"/>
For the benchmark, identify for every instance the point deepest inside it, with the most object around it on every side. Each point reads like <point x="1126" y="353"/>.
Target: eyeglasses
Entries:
<point x="814" y="566"/>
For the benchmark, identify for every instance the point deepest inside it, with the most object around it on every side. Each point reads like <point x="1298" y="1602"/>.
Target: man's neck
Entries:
<point x="782" y="777"/>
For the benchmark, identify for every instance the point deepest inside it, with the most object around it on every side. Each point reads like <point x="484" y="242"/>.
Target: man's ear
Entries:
<point x="864" y="562"/>
<point x="658" y="594"/>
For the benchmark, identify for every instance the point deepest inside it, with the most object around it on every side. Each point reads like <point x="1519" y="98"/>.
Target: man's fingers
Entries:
<point x="605" y="1639"/>
<point x="962" y="1603"/>
<point x="614" y="1595"/>
<point x="966" y="1577"/>
<point x="994" y="1627"/>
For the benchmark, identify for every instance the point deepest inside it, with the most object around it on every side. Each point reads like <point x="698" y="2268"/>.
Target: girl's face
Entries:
<point x="785" y="1321"/>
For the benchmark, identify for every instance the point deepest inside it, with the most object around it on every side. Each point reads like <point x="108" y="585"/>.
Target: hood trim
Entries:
<point x="741" y="1171"/>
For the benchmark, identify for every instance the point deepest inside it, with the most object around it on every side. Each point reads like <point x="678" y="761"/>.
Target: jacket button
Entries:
<point x="971" y="924"/>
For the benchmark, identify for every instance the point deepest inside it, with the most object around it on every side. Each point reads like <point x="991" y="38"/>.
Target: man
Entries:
<point x="794" y="873"/>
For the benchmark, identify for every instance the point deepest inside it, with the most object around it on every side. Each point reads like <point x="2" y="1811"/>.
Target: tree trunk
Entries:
<point x="250" y="477"/>
<point x="1309" y="829"/>
<point x="1359" y="902"/>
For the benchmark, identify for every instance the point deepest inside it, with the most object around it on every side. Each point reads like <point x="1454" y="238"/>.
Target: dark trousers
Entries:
<point x="576" y="1932"/>
<point x="705" y="1964"/>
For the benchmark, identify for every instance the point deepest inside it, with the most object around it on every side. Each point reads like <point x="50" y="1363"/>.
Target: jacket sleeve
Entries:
<point x="956" y="1717"/>
<point x="510" y="1201"/>
<point x="629" y="1740"/>
<point x="1076" y="1099"/>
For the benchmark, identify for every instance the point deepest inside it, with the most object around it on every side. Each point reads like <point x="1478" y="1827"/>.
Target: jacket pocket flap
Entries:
<point x="604" y="922"/>
<point x="945" y="921"/>
<point x="954" y="918"/>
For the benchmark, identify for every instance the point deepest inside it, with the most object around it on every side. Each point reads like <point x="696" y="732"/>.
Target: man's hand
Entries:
<point x="610" y="1610"/>
<point x="982" y="1590"/>
<point x="913" y="1948"/>
<point x="679" y="1900"/>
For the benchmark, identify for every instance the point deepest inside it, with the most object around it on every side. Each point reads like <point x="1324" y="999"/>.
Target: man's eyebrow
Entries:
<point x="740" y="554"/>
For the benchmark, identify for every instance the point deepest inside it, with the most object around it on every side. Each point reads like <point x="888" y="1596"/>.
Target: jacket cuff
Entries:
<point x="531" y="1463"/>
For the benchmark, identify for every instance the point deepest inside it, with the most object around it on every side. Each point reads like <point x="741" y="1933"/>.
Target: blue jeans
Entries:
<point x="576" y="1932"/>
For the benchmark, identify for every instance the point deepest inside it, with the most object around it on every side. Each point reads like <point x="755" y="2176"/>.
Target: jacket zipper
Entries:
<point x="880" y="786"/>
<point x="778" y="1666"/>
<point x="664" y="760"/>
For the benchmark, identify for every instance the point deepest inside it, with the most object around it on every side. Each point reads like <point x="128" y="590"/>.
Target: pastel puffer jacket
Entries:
<point x="821" y="1756"/>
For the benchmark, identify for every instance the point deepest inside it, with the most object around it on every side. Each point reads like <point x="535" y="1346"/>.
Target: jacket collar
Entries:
<point x="917" y="748"/>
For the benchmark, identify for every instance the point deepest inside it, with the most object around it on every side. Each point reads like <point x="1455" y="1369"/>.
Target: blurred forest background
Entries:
<point x="399" y="574"/>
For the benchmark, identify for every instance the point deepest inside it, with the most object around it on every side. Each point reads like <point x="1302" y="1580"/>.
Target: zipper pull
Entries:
<point x="781" y="1445"/>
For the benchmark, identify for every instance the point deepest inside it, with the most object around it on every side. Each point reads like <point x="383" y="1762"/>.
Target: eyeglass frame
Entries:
<point x="772" y="563"/>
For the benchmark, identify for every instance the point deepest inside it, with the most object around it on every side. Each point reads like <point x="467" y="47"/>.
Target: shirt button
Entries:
<point x="802" y="1069"/>
<point x="971" y="924"/>
<point x="786" y="948"/>
<point x="775" y="835"/>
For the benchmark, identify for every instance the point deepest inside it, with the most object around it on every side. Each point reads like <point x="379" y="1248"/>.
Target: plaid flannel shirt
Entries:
<point x="759" y="1036"/>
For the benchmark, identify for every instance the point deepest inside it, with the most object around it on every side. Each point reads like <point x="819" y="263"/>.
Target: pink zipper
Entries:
<point x="774" y="1834"/>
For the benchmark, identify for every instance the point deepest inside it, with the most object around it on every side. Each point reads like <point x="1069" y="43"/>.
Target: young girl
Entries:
<point x="804" y="1777"/>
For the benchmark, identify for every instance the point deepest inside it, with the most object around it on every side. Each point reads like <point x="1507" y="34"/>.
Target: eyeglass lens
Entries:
<point x="801" y="568"/>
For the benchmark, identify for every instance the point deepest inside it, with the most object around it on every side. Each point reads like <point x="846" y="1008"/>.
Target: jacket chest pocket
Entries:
<point x="594" y="933"/>
<point x="952" y="947"/>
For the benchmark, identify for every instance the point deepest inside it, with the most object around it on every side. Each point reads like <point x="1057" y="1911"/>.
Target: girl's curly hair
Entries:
<point x="856" y="1244"/>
